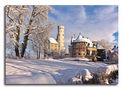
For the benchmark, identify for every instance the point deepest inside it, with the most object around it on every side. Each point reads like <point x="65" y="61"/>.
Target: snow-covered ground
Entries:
<point x="50" y="71"/>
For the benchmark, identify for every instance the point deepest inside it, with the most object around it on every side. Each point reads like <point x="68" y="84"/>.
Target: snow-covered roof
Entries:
<point x="79" y="39"/>
<point x="88" y="40"/>
<point x="100" y="47"/>
<point x="52" y="40"/>
<point x="82" y="39"/>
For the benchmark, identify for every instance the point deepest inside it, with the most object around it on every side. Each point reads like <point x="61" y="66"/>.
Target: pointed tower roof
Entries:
<point x="80" y="38"/>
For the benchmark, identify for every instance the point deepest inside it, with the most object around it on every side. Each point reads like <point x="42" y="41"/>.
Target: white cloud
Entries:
<point x="107" y="13"/>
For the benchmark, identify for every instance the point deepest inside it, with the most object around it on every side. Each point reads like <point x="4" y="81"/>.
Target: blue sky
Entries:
<point x="96" y="22"/>
<point x="116" y="38"/>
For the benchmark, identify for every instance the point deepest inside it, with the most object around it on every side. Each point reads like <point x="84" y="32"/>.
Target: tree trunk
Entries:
<point x="17" y="42"/>
<point x="24" y="44"/>
<point x="17" y="51"/>
<point x="45" y="53"/>
<point x="37" y="54"/>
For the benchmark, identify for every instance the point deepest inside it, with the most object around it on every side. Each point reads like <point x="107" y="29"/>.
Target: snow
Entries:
<point x="100" y="47"/>
<point x="35" y="78"/>
<point x="76" y="59"/>
<point x="52" y="40"/>
<point x="79" y="39"/>
<point x="82" y="39"/>
<point x="51" y="71"/>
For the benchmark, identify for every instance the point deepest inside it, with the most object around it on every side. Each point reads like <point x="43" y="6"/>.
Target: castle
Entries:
<point x="56" y="46"/>
<point x="79" y="47"/>
<point x="82" y="47"/>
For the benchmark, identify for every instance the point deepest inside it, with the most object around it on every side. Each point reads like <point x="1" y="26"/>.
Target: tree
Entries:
<point x="105" y="44"/>
<point x="14" y="23"/>
<point x="40" y="39"/>
<point x="22" y="22"/>
<point x="38" y="14"/>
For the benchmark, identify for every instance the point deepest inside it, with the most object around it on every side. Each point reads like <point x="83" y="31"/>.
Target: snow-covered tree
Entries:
<point x="40" y="39"/>
<point x="105" y="44"/>
<point x="14" y="24"/>
<point x="39" y="14"/>
<point x="22" y="22"/>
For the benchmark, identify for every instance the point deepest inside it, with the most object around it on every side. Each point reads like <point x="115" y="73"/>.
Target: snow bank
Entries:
<point x="83" y="75"/>
<point x="103" y="75"/>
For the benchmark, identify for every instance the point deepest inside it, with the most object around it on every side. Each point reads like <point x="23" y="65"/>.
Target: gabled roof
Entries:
<point x="52" y="40"/>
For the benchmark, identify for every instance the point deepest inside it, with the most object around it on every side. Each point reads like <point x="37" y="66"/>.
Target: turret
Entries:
<point x="60" y="38"/>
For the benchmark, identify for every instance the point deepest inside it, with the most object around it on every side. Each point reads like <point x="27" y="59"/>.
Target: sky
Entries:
<point x="95" y="22"/>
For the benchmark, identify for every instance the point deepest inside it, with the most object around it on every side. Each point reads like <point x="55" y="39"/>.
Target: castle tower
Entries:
<point x="60" y="38"/>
